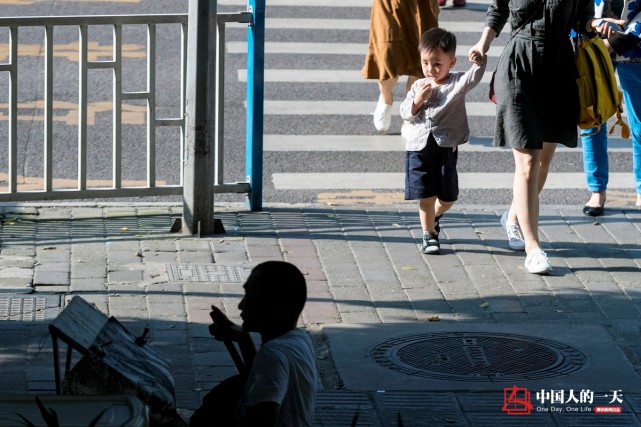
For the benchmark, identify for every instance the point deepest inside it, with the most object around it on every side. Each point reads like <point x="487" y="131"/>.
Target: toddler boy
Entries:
<point x="437" y="124"/>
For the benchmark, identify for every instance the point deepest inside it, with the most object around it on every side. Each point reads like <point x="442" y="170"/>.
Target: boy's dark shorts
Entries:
<point x="431" y="172"/>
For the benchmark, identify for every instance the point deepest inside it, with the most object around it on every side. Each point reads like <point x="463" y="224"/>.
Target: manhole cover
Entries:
<point x="464" y="356"/>
<point x="207" y="273"/>
<point x="28" y="308"/>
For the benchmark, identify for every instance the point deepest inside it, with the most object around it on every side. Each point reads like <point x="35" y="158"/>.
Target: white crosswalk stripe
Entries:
<point x="396" y="181"/>
<point x="293" y="48"/>
<point x="368" y="143"/>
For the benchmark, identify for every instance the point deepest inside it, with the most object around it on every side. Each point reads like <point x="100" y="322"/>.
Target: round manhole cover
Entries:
<point x="470" y="356"/>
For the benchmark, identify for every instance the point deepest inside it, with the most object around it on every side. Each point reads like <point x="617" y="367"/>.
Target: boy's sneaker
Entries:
<point x="382" y="115"/>
<point x="514" y="236"/>
<point x="441" y="2"/>
<point x="458" y="3"/>
<point x="537" y="262"/>
<point x="430" y="244"/>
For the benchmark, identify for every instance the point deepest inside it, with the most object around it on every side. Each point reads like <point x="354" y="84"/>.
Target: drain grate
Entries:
<point x="28" y="308"/>
<point x="207" y="273"/>
<point x="464" y="356"/>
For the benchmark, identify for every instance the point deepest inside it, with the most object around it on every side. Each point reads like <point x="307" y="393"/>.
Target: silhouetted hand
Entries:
<point x="224" y="329"/>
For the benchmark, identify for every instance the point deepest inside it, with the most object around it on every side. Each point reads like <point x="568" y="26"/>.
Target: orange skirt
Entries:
<point x="396" y="27"/>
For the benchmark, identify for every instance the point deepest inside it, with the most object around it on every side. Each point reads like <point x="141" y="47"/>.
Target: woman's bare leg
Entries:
<point x="526" y="194"/>
<point x="547" y="153"/>
<point x="386" y="87"/>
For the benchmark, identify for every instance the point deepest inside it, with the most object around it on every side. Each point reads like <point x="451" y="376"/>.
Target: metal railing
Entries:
<point x="253" y="185"/>
<point x="83" y="23"/>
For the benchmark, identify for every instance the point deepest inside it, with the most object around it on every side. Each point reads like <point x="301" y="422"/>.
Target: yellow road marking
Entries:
<point x="361" y="196"/>
<point x="28" y="183"/>
<point x="67" y="112"/>
<point x="95" y="51"/>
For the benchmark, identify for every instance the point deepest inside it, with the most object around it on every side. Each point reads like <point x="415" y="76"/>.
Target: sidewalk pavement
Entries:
<point x="394" y="330"/>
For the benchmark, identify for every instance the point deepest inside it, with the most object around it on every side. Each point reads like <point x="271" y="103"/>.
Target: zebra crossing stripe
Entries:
<point x="390" y="143"/>
<point x="355" y="108"/>
<point x="354" y="24"/>
<point x="310" y="48"/>
<point x="358" y="108"/>
<point x="318" y="76"/>
<point x="476" y="5"/>
<point x="396" y="181"/>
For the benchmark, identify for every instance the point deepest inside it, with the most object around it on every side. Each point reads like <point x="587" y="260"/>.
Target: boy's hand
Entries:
<point x="224" y="329"/>
<point x="423" y="93"/>
<point x="477" y="57"/>
<point x="476" y="54"/>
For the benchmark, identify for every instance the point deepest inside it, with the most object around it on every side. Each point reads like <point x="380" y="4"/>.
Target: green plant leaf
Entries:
<point x="26" y="421"/>
<point x="48" y="415"/>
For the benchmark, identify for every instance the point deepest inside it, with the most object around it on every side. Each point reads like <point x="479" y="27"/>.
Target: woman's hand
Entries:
<point x="477" y="52"/>
<point x="607" y="27"/>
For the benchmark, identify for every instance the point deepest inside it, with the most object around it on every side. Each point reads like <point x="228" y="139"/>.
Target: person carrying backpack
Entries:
<point x="626" y="47"/>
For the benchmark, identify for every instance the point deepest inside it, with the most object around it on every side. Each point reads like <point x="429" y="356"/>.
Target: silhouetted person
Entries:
<point x="276" y="385"/>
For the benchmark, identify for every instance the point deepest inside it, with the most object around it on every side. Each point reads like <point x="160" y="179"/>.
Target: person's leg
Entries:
<point x="386" y="87"/>
<point x="630" y="80"/>
<point x="219" y="405"/>
<point x="596" y="168"/>
<point x="440" y="207"/>
<point x="383" y="112"/>
<point x="547" y="154"/>
<point x="426" y="209"/>
<point x="526" y="203"/>
<point x="526" y="195"/>
<point x="426" y="213"/>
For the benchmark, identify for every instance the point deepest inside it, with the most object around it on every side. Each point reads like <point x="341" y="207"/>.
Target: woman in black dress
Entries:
<point x="537" y="101"/>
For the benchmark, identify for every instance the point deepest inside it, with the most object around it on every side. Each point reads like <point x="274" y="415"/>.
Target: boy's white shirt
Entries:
<point x="443" y="115"/>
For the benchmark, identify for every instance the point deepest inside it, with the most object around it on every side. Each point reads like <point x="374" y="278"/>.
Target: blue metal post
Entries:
<point x="255" y="108"/>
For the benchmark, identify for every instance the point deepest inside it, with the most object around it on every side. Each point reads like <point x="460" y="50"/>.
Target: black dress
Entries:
<point x="535" y="81"/>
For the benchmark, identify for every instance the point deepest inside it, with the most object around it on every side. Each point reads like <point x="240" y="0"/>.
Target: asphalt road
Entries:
<point x="319" y="139"/>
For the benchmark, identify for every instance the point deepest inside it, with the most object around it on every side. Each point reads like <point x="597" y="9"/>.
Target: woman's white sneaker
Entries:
<point x="514" y="235"/>
<point x="382" y="115"/>
<point x="537" y="262"/>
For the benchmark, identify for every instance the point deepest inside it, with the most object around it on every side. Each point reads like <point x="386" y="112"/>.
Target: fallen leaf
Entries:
<point x="125" y="228"/>
<point x="485" y="305"/>
<point x="434" y="319"/>
<point x="409" y="268"/>
<point x="397" y="225"/>
<point x="138" y="254"/>
<point x="48" y="248"/>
